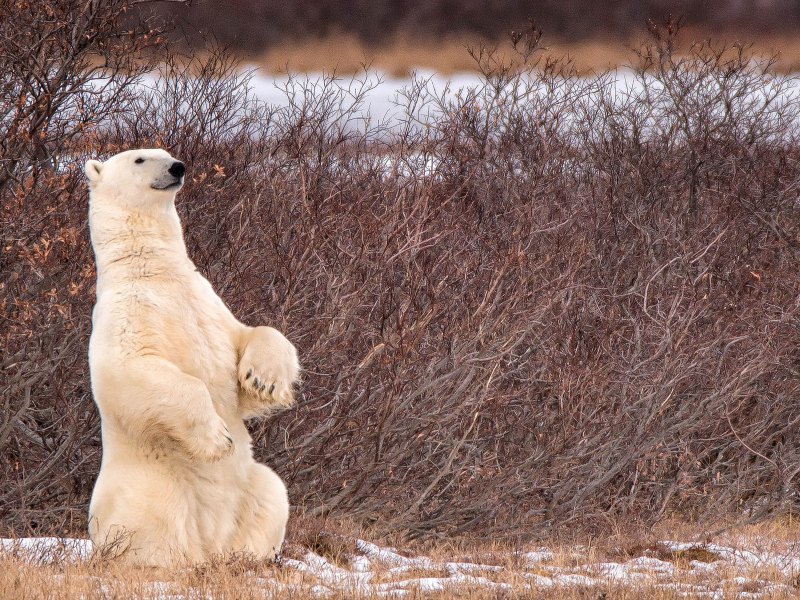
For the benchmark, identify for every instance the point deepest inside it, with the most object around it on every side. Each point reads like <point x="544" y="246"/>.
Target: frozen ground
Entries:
<point x="759" y="569"/>
<point x="382" y="90"/>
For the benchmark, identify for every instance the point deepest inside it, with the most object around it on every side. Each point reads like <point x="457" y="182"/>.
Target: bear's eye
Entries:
<point x="139" y="161"/>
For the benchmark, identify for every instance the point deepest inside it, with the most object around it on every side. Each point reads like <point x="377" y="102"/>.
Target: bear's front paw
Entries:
<point x="268" y="368"/>
<point x="214" y="444"/>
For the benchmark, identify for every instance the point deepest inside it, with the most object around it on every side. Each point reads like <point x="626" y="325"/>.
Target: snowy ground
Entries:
<point x="763" y="570"/>
<point x="382" y="93"/>
<point x="381" y="96"/>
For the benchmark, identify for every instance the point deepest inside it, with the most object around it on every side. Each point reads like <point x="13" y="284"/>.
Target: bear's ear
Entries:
<point x="92" y="170"/>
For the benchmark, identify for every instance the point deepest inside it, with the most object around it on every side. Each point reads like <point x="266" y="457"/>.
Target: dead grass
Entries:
<point x="240" y="577"/>
<point x="401" y="55"/>
<point x="347" y="54"/>
<point x="333" y="540"/>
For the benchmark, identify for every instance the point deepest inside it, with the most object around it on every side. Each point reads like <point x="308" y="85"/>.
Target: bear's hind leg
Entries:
<point x="142" y="519"/>
<point x="263" y="514"/>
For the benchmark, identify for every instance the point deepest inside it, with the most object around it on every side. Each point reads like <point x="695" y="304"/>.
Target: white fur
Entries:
<point x="174" y="375"/>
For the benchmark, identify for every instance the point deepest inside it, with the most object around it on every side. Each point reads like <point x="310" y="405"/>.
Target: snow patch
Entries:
<point x="46" y="550"/>
<point x="384" y="572"/>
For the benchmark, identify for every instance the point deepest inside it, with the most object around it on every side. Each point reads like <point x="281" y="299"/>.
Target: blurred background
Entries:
<point x="396" y="36"/>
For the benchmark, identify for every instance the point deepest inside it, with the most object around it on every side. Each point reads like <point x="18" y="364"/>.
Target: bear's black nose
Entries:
<point x="177" y="169"/>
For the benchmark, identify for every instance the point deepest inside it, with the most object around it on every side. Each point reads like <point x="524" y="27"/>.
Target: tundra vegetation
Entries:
<point x="545" y="304"/>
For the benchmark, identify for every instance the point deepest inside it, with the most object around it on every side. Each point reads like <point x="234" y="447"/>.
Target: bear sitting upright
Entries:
<point x="174" y="375"/>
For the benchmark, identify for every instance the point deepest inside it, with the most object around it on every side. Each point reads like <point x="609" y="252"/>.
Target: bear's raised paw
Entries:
<point x="268" y="368"/>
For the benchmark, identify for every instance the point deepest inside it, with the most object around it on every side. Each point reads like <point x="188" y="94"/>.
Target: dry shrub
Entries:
<point x="538" y="303"/>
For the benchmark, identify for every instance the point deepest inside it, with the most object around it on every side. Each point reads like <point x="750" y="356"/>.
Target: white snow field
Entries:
<point x="759" y="569"/>
<point x="383" y="97"/>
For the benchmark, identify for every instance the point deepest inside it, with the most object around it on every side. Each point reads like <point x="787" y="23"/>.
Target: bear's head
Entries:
<point x="136" y="177"/>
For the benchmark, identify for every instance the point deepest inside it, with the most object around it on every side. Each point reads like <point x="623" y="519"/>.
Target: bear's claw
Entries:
<point x="268" y="389"/>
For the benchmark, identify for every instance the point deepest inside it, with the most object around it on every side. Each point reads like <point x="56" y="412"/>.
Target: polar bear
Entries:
<point x="174" y="375"/>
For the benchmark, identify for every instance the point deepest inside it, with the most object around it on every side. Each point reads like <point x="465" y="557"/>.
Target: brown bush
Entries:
<point x="536" y="303"/>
